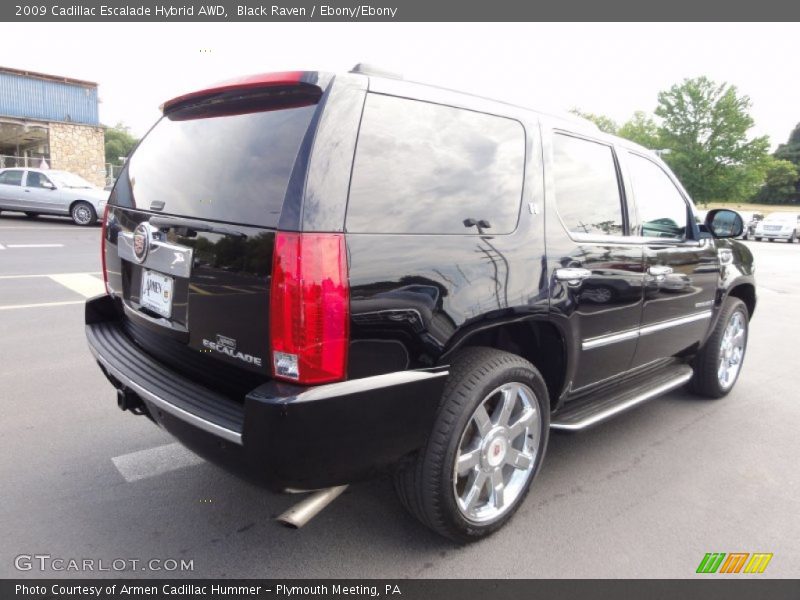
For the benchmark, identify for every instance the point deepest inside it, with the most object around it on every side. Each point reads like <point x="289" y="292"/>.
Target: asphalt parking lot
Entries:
<point x="644" y="495"/>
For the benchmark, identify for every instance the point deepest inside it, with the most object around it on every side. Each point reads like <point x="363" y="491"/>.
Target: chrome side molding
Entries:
<point x="605" y="340"/>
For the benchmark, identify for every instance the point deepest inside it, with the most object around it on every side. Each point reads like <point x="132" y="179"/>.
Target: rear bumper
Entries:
<point x="281" y="435"/>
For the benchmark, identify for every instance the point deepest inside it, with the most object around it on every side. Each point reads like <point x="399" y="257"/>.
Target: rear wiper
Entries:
<point x="164" y="222"/>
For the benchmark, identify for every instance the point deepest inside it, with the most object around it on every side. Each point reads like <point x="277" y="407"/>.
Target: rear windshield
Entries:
<point x="218" y="166"/>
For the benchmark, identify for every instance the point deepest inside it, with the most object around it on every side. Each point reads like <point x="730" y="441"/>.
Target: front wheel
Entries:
<point x="83" y="213"/>
<point x="718" y="364"/>
<point x="758" y="239"/>
<point x="792" y="237"/>
<point x="31" y="215"/>
<point x="486" y="447"/>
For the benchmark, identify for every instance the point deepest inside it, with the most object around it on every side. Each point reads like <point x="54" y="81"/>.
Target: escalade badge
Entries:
<point x="141" y="242"/>
<point x="227" y="345"/>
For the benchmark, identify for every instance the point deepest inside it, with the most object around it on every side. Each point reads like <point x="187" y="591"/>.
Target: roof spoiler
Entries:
<point x="309" y="79"/>
<point x="367" y="69"/>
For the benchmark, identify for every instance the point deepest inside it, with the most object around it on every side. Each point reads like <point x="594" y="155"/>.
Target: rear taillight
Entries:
<point x="309" y="307"/>
<point x="103" y="248"/>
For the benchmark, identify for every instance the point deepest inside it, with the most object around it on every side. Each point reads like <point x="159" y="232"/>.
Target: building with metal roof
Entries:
<point x="51" y="121"/>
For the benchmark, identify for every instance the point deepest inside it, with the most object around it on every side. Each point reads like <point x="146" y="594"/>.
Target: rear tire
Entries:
<point x="485" y="449"/>
<point x="718" y="365"/>
<point x="83" y="214"/>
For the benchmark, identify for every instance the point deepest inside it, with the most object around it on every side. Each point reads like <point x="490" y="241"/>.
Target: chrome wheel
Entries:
<point x="82" y="214"/>
<point x="496" y="455"/>
<point x="732" y="350"/>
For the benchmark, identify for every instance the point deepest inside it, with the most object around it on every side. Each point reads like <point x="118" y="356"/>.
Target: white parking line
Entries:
<point x="155" y="461"/>
<point x="41" y="304"/>
<point x="47" y="275"/>
<point x="54" y="228"/>
<point x="34" y="245"/>
<point x="82" y="283"/>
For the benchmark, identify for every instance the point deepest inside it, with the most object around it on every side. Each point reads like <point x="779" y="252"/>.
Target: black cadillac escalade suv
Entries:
<point x="315" y="278"/>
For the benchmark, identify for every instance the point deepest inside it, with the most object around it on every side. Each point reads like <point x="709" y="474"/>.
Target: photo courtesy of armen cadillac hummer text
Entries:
<point x="313" y="279"/>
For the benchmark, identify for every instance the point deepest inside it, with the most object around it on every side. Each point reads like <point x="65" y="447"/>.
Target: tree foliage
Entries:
<point x="119" y="142"/>
<point x="790" y="152"/>
<point x="604" y="123"/>
<point x="705" y="126"/>
<point x="642" y="129"/>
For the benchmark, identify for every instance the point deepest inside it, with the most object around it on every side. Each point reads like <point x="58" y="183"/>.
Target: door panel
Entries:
<point x="678" y="300"/>
<point x="11" y="188"/>
<point x="682" y="270"/>
<point x="42" y="199"/>
<point x="603" y="310"/>
<point x="586" y="223"/>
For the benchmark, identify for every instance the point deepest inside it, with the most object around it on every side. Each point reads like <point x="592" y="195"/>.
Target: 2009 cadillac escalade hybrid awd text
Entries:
<point x="315" y="278"/>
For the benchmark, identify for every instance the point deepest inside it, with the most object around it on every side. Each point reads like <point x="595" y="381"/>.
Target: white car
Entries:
<point x="778" y="226"/>
<point x="40" y="191"/>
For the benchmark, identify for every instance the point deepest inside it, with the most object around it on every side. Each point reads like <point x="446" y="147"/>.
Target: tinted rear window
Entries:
<point x="221" y="167"/>
<point x="426" y="168"/>
<point x="586" y="186"/>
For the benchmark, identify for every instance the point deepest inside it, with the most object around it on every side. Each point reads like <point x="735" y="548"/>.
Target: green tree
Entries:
<point x="642" y="129"/>
<point x="780" y="182"/>
<point x="119" y="142"/>
<point x="604" y="123"/>
<point x="705" y="126"/>
<point x="781" y="174"/>
<point x="790" y="150"/>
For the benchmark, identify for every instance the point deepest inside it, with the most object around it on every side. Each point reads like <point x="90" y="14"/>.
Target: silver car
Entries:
<point x="779" y="226"/>
<point x="38" y="191"/>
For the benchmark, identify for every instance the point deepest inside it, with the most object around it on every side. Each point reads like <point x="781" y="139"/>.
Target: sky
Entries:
<point x="612" y="69"/>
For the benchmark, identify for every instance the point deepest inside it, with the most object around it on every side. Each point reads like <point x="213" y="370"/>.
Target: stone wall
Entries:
<point x="79" y="149"/>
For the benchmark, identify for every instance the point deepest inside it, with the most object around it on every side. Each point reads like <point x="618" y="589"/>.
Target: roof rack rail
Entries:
<point x="367" y="69"/>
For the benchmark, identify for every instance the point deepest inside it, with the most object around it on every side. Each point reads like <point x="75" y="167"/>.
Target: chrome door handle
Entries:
<point x="659" y="271"/>
<point x="572" y="275"/>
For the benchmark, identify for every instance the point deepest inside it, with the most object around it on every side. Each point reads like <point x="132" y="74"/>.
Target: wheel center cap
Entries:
<point x="496" y="452"/>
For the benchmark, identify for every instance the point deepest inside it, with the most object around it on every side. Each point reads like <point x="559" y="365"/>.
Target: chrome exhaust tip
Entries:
<point x="308" y="508"/>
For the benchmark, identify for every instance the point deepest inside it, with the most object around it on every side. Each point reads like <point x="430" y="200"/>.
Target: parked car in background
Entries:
<point x="47" y="192"/>
<point x="750" y="222"/>
<point x="778" y="226"/>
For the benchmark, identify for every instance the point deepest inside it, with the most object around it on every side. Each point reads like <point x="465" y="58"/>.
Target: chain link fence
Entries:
<point x="21" y="162"/>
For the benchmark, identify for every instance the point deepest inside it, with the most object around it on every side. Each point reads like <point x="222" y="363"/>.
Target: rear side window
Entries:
<point x="586" y="186"/>
<point x="11" y="177"/>
<point x="662" y="210"/>
<point x="221" y="165"/>
<point x="428" y="168"/>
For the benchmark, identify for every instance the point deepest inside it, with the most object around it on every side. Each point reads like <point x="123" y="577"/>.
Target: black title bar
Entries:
<point x="704" y="587"/>
<point x="401" y="10"/>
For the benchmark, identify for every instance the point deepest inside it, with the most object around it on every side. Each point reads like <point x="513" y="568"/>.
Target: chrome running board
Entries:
<point x="587" y="412"/>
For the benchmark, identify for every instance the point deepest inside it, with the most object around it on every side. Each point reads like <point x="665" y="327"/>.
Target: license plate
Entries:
<point x="156" y="292"/>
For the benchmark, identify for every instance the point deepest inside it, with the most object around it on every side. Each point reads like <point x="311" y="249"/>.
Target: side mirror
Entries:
<point x="724" y="223"/>
<point x="48" y="185"/>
